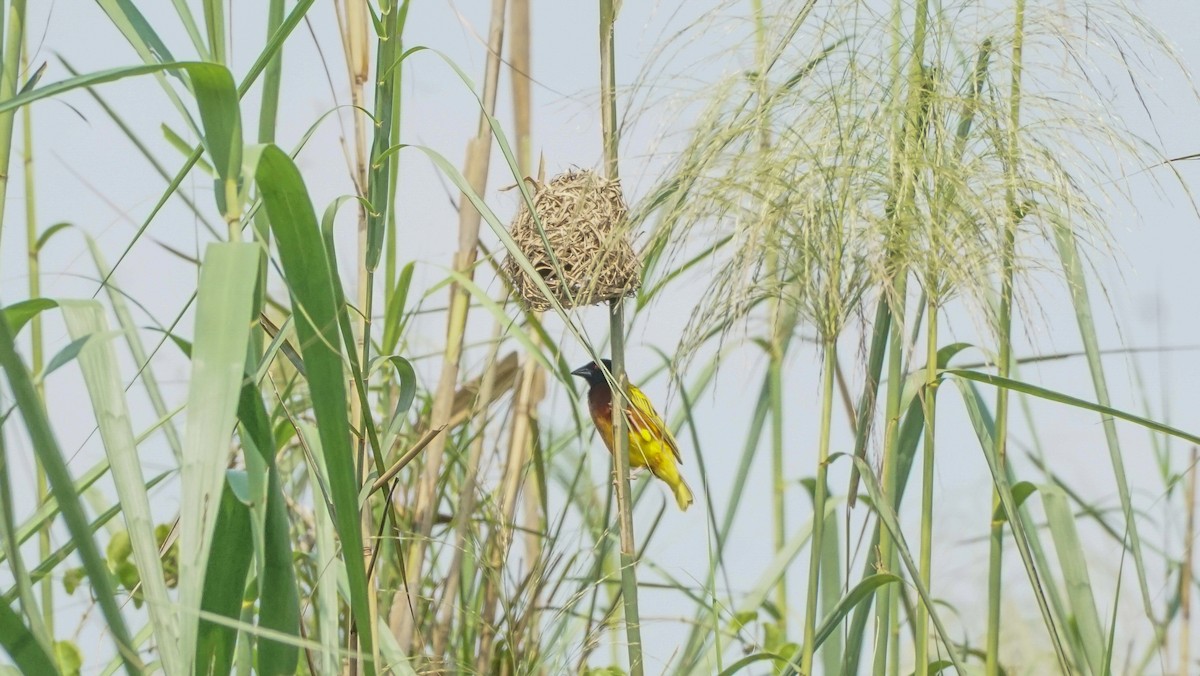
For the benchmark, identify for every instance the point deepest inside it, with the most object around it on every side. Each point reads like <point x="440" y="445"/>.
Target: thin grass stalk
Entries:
<point x="353" y="24"/>
<point x="465" y="511"/>
<point x="929" y="401"/>
<point x="402" y="621"/>
<point x="628" y="557"/>
<point x="499" y="544"/>
<point x="1007" y="263"/>
<point x="620" y="455"/>
<point x="906" y="136"/>
<point x="391" y="280"/>
<point x="778" y="478"/>
<point x="358" y="61"/>
<point x="886" y="626"/>
<point x="776" y="352"/>
<point x="36" y="347"/>
<point x="908" y="217"/>
<point x="819" y="491"/>
<point x="1185" y="569"/>
<point x="12" y="32"/>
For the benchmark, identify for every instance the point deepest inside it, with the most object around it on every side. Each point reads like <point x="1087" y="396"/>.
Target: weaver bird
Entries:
<point x="650" y="442"/>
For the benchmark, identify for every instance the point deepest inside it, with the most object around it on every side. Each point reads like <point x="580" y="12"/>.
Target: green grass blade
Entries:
<point x="137" y="350"/>
<point x="865" y="412"/>
<point x="268" y="110"/>
<point x="1058" y="397"/>
<point x="279" y="600"/>
<point x="149" y="46"/>
<point x="19" y="314"/>
<point x="890" y="521"/>
<point x="696" y="637"/>
<point x="223" y="315"/>
<point x="189" y="24"/>
<point x="61" y="484"/>
<point x="1073" y="561"/>
<point x="225" y="583"/>
<point x="328" y="564"/>
<point x="911" y="430"/>
<point x="11" y="546"/>
<point x="47" y="565"/>
<point x="214" y="24"/>
<point x="981" y="421"/>
<point x="308" y="274"/>
<point x="343" y="316"/>
<point x="1077" y="283"/>
<point x="217" y="98"/>
<point x="21" y="646"/>
<point x="831" y="589"/>
<point x="394" y="319"/>
<point x="98" y="361"/>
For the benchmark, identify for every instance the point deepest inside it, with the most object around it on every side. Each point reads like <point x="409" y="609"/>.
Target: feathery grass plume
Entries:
<point x="840" y="204"/>
<point x="831" y="103"/>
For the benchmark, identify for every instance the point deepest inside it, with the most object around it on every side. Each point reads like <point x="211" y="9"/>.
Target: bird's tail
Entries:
<point x="683" y="494"/>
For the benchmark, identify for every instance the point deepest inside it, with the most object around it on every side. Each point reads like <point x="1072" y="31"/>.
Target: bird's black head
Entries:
<point x="591" y="372"/>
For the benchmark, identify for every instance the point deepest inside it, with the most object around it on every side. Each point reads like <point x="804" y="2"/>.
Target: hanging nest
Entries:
<point x="584" y="219"/>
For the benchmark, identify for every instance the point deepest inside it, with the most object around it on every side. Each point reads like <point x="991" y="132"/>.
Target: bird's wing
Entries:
<point x="645" y="421"/>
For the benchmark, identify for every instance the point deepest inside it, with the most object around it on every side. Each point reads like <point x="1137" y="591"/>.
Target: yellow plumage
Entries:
<point x="651" y="444"/>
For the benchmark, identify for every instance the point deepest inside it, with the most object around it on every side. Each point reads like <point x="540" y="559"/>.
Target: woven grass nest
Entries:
<point x="583" y="215"/>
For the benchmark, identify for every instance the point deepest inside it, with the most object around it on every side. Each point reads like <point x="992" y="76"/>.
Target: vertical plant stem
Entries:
<point x="1185" y="569"/>
<point x="886" y="628"/>
<point x="778" y="479"/>
<point x="929" y="401"/>
<point x="814" y="564"/>
<point x="466" y="507"/>
<point x="402" y="621"/>
<point x="357" y="51"/>
<point x="629" y="588"/>
<point x="36" y="355"/>
<point x="12" y="30"/>
<point x="499" y="544"/>
<point x="776" y="351"/>
<point x="1004" y="330"/>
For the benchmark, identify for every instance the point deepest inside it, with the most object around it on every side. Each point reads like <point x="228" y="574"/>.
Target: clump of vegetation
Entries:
<point x="336" y="498"/>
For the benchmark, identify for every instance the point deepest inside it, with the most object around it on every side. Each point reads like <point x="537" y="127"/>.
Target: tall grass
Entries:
<point x="365" y="435"/>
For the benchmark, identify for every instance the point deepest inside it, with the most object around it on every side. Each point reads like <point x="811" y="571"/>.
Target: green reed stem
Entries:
<point x="929" y="399"/>
<point x="1004" y="330"/>
<point x="886" y="598"/>
<point x="629" y="588"/>
<point x="819" y="491"/>
<point x="36" y="354"/>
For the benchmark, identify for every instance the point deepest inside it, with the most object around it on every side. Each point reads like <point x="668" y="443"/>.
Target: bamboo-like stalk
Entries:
<point x="814" y="570"/>
<point x="36" y="351"/>
<point x="402" y="621"/>
<point x="353" y="24"/>
<point x="776" y="350"/>
<point x="620" y="455"/>
<point x="628" y="555"/>
<point x="929" y="402"/>
<point x="886" y="627"/>
<point x="1004" y="336"/>
<point x="1185" y="569"/>
<point x="12" y="31"/>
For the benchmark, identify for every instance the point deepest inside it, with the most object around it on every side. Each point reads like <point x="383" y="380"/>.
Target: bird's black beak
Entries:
<point x="583" y="371"/>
